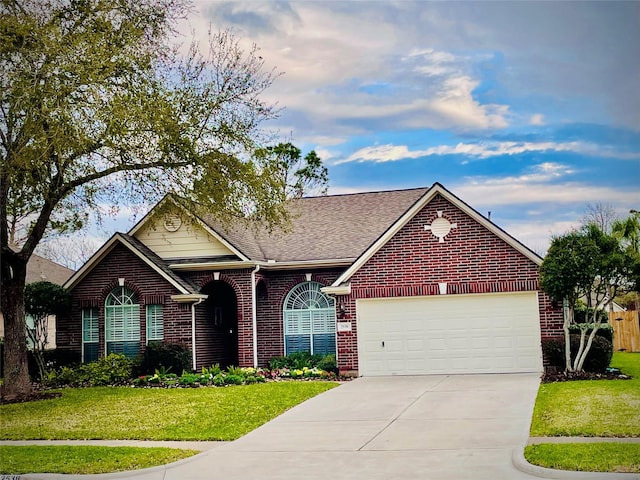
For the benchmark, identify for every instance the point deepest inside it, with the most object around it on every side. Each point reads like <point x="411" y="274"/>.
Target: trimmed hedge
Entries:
<point x="597" y="360"/>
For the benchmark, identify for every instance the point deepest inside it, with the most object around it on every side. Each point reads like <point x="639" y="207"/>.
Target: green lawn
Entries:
<point x="125" y="413"/>
<point x="586" y="457"/>
<point x="591" y="408"/>
<point x="79" y="460"/>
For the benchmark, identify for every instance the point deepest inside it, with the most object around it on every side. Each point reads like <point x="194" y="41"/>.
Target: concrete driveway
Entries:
<point x="431" y="427"/>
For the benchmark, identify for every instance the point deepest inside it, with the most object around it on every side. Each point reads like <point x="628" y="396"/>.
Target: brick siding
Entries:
<point x="471" y="260"/>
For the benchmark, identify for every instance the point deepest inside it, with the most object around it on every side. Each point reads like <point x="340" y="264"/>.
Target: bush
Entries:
<point x="233" y="380"/>
<point x="605" y="331"/>
<point x="300" y="360"/>
<point x="175" y="357"/>
<point x="597" y="360"/>
<point x="113" y="369"/>
<point x="328" y="363"/>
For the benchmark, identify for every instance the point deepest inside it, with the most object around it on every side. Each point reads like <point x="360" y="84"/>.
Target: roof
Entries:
<point x="323" y="228"/>
<point x="338" y="230"/>
<point x="141" y="251"/>
<point x="400" y="222"/>
<point x="40" y="269"/>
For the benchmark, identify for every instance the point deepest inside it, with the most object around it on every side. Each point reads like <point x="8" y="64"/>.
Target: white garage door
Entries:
<point x="488" y="333"/>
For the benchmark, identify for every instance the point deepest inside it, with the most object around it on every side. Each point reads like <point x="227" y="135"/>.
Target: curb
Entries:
<point x="518" y="460"/>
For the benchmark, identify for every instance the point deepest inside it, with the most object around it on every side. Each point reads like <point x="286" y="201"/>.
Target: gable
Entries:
<point x="430" y="232"/>
<point x="175" y="237"/>
<point x="471" y="258"/>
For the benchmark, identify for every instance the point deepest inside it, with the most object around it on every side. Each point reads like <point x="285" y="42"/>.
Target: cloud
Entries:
<point x="483" y="150"/>
<point x="536" y="188"/>
<point x="537" y="119"/>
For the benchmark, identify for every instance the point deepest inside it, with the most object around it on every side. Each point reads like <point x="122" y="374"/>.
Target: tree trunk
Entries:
<point x="16" y="371"/>
<point x="568" y="319"/>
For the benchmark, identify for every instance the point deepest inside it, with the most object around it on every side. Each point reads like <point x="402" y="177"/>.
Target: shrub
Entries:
<point x="172" y="356"/>
<point x="233" y="380"/>
<point x="190" y="379"/>
<point x="300" y="360"/>
<point x="605" y="331"/>
<point x="597" y="360"/>
<point x="328" y="363"/>
<point x="113" y="369"/>
<point x="236" y="372"/>
<point x="218" y="380"/>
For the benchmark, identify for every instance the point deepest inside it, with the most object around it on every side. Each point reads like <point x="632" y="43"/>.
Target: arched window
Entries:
<point x="309" y="320"/>
<point x="122" y="322"/>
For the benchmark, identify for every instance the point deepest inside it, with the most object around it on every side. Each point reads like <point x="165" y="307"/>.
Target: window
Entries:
<point x="89" y="334"/>
<point x="31" y="330"/>
<point x="122" y="322"/>
<point x="155" y="325"/>
<point x="309" y="320"/>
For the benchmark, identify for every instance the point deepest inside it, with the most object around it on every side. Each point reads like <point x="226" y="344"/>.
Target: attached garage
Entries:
<point x="449" y="334"/>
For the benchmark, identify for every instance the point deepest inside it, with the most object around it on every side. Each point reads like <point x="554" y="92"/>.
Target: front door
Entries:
<point x="222" y="316"/>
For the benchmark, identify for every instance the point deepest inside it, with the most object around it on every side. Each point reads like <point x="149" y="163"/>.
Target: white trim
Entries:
<point x="200" y="223"/>
<point x="268" y="265"/>
<point x="194" y="267"/>
<point x="189" y="297"/>
<point x="104" y="251"/>
<point x="339" y="290"/>
<point x="413" y="211"/>
<point x="254" y="315"/>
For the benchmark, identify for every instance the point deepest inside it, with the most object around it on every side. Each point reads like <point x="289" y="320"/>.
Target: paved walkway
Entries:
<point x="431" y="427"/>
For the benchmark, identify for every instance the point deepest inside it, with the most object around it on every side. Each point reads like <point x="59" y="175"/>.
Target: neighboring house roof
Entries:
<point x="40" y="269"/>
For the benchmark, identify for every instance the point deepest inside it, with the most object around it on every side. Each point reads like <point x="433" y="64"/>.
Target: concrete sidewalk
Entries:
<point x="432" y="427"/>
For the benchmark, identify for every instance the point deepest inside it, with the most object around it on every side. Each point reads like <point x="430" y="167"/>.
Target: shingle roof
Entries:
<point x="158" y="262"/>
<point x="40" y="269"/>
<point x="324" y="228"/>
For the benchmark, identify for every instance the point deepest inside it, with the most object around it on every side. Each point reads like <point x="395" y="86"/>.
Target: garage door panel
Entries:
<point x="449" y="334"/>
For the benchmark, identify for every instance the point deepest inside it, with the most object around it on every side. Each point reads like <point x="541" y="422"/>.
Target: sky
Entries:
<point x="530" y="110"/>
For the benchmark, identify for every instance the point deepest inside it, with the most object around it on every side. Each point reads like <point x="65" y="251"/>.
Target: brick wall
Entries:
<point x="413" y="262"/>
<point x="272" y="289"/>
<point x="139" y="277"/>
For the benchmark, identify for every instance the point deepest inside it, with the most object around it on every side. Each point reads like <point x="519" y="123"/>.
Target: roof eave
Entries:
<point x="104" y="251"/>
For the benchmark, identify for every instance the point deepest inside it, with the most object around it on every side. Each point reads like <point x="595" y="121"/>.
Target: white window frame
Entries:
<point x="121" y="317"/>
<point x="90" y="315"/>
<point x="155" y="322"/>
<point x="308" y="312"/>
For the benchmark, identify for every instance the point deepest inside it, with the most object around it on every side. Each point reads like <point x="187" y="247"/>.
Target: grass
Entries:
<point x="79" y="460"/>
<point x="586" y="457"/>
<point x="125" y="413"/>
<point x="591" y="408"/>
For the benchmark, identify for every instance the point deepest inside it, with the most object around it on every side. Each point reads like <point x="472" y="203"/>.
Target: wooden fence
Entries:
<point x="626" y="331"/>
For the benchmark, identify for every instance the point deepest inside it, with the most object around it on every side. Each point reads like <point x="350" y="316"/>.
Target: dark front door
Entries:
<point x="222" y="315"/>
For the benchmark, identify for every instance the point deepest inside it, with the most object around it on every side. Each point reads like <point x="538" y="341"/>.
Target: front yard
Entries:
<point x="120" y="413"/>
<point x="590" y="408"/>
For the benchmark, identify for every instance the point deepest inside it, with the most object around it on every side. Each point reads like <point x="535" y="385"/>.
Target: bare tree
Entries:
<point x="601" y="214"/>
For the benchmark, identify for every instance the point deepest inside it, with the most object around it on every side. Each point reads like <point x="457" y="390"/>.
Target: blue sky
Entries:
<point x="530" y="110"/>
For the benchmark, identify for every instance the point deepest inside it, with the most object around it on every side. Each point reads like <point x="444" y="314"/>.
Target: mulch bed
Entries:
<point x="560" y="376"/>
<point x="37" y="393"/>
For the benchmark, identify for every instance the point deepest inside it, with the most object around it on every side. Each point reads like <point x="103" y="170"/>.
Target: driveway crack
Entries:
<point x="392" y="421"/>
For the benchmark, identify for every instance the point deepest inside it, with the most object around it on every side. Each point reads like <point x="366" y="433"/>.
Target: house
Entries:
<point x="395" y="282"/>
<point x="40" y="269"/>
